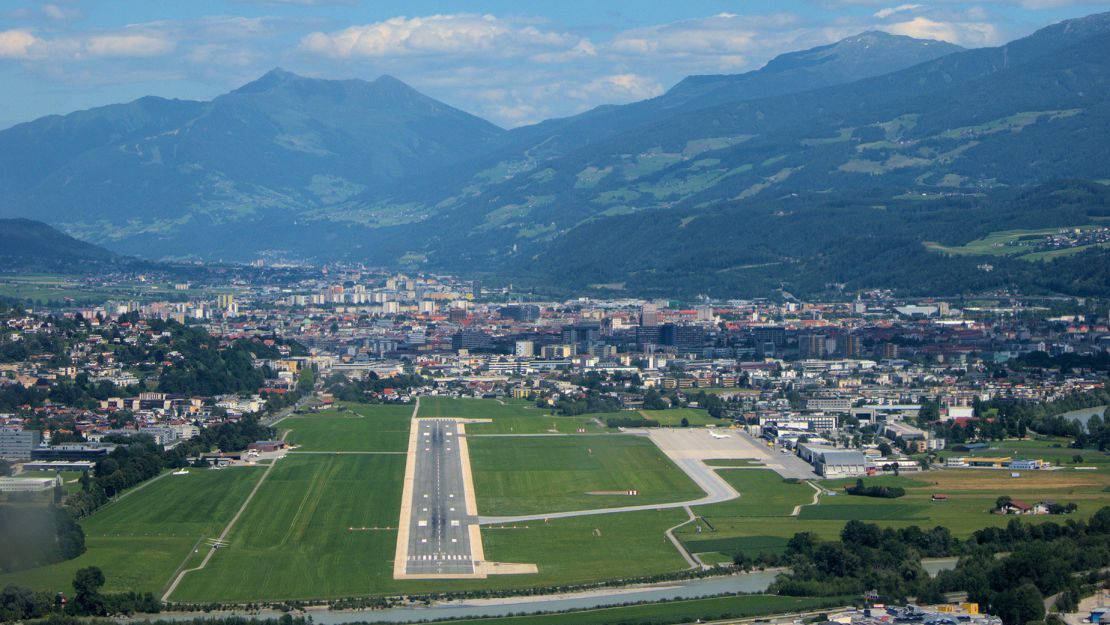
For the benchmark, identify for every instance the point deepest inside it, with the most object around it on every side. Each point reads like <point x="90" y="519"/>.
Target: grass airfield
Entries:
<point x="322" y="525"/>
<point x="533" y="475"/>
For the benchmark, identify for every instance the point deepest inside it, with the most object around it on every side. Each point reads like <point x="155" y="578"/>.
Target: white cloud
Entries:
<point x="725" y="33"/>
<point x="887" y="12"/>
<point x="16" y="44"/>
<point x="129" y="45"/>
<point x="463" y="33"/>
<point x="58" y="13"/>
<point x="617" y="88"/>
<point x="971" y="34"/>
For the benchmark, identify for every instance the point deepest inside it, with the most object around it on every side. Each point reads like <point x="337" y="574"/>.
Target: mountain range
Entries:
<point x="25" y="242"/>
<point x="872" y="140"/>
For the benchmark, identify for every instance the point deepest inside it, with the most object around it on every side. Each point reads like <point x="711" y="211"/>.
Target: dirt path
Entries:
<point x="691" y="561"/>
<point x="816" y="499"/>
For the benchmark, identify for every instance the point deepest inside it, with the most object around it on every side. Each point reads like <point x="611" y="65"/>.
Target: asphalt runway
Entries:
<point x="439" y="536"/>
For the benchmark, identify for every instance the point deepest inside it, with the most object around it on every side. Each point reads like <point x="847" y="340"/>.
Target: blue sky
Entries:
<point x="511" y="62"/>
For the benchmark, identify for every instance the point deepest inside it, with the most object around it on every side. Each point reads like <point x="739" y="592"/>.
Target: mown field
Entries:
<point x="673" y="417"/>
<point x="971" y="494"/>
<point x="534" y="475"/>
<point x="509" y="416"/>
<point x="294" y="540"/>
<point x="358" y="427"/>
<point x="586" y="549"/>
<point x="141" y="539"/>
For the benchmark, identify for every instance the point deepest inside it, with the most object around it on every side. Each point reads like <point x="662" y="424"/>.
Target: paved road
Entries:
<point x="716" y="489"/>
<point x="439" y="541"/>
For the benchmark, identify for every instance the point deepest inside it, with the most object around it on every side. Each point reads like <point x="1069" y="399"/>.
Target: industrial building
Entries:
<point x="831" y="462"/>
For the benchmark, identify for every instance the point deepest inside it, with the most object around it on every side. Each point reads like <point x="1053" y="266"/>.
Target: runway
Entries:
<point x="439" y="541"/>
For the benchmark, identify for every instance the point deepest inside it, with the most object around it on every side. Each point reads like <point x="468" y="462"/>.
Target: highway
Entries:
<point x="439" y="538"/>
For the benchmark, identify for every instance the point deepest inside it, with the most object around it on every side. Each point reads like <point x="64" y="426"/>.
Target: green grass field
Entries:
<point x="294" y="542"/>
<point x="734" y="462"/>
<point x="1054" y="450"/>
<point x="681" y="611"/>
<point x="763" y="493"/>
<point x="302" y="535"/>
<point x="510" y="416"/>
<point x="763" y="496"/>
<point x="674" y="417"/>
<point x="361" y="427"/>
<point x="971" y="494"/>
<point x="586" y="549"/>
<point x="533" y="475"/>
<point x="140" y="540"/>
<point x="1019" y="243"/>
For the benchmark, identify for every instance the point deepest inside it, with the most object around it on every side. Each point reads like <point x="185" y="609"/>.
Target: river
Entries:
<point x="754" y="582"/>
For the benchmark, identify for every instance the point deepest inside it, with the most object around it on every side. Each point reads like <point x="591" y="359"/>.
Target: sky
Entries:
<point x="511" y="62"/>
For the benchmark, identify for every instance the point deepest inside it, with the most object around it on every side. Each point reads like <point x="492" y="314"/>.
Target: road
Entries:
<point x="439" y="536"/>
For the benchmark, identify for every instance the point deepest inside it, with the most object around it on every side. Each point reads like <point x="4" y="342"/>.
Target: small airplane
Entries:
<point x="217" y="544"/>
<point x="716" y="435"/>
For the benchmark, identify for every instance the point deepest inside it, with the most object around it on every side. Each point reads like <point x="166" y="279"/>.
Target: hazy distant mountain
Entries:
<point x="851" y="59"/>
<point x="24" y="242"/>
<point x="871" y="146"/>
<point x="868" y="54"/>
<point x="1033" y="111"/>
<point x="281" y="144"/>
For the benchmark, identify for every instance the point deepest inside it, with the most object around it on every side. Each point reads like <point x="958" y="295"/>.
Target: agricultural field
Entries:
<point x="510" y="416"/>
<point x="141" y="539"/>
<point x="534" y="475"/>
<point x="358" y="427"/>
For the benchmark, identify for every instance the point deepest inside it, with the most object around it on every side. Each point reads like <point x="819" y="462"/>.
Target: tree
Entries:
<point x="801" y="543"/>
<point x="87" y="598"/>
<point x="306" y="382"/>
<point x="685" y="422"/>
<point x="1018" y="606"/>
<point x="1002" y="502"/>
<point x="741" y="561"/>
<point x="859" y="533"/>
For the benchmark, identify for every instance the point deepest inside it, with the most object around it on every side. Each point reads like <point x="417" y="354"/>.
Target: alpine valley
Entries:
<point x="877" y="161"/>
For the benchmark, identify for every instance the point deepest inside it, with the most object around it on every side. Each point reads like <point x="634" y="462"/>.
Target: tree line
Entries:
<point x="1043" y="560"/>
